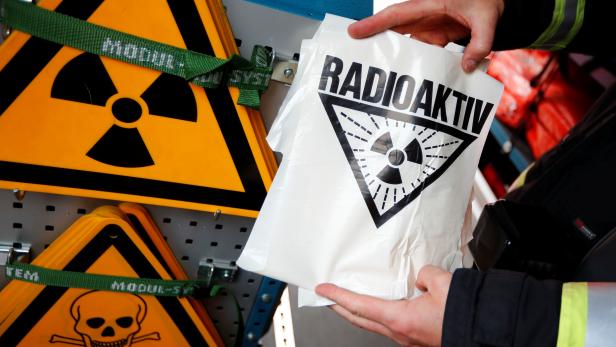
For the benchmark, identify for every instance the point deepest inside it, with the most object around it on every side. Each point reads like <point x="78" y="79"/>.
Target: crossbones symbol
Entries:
<point x="107" y="319"/>
<point x="79" y="342"/>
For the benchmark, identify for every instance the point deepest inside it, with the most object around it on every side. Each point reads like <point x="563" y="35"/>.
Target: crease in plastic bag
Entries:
<point x="369" y="190"/>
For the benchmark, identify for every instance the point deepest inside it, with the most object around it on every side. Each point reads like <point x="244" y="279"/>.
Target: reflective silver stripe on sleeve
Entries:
<point x="601" y="323"/>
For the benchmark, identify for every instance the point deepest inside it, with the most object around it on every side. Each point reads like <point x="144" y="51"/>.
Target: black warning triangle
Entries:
<point x="394" y="156"/>
<point x="114" y="243"/>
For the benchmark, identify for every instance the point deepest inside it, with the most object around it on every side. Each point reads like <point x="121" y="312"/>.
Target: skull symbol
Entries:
<point x="108" y="319"/>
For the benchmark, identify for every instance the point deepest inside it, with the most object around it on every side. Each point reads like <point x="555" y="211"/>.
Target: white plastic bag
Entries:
<point x="380" y="139"/>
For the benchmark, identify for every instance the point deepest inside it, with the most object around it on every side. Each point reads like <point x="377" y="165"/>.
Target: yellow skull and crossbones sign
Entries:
<point x="116" y="325"/>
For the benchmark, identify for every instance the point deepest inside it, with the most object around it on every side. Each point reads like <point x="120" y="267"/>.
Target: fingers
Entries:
<point x="427" y="276"/>
<point x="360" y="305"/>
<point x="395" y="15"/>
<point x="362" y="322"/>
<point x="433" y="38"/>
<point x="482" y="37"/>
<point x="479" y="16"/>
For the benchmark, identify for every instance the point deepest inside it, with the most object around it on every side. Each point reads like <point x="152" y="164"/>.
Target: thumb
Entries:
<point x="426" y="276"/>
<point x="482" y="37"/>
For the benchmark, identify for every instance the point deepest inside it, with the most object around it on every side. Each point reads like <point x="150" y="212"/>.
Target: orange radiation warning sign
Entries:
<point x="76" y="123"/>
<point x="103" y="242"/>
<point x="146" y="228"/>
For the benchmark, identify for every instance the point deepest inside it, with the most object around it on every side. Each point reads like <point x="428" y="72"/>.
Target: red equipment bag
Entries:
<point x="538" y="99"/>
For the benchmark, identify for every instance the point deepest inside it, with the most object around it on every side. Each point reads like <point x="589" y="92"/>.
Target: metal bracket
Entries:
<point x="268" y="298"/>
<point x="284" y="71"/>
<point x="15" y="252"/>
<point x="213" y="270"/>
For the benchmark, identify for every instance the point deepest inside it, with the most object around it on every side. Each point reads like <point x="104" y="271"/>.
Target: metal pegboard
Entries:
<point x="37" y="219"/>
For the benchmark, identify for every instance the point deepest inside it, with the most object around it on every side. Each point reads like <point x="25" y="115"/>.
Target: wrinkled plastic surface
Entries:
<point x="324" y="219"/>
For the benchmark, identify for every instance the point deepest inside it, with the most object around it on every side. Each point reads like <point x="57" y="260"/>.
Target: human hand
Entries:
<point x="414" y="322"/>
<point x="440" y="22"/>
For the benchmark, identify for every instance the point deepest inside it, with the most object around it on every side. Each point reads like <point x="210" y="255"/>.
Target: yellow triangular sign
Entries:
<point x="148" y="230"/>
<point x="79" y="124"/>
<point x="103" y="243"/>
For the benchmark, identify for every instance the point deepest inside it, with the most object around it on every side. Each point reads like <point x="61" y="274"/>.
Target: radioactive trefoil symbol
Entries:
<point x="118" y="324"/>
<point x="86" y="80"/>
<point x="394" y="156"/>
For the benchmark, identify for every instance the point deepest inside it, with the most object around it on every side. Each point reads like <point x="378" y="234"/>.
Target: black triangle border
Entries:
<point x="111" y="235"/>
<point x="34" y="56"/>
<point x="329" y="101"/>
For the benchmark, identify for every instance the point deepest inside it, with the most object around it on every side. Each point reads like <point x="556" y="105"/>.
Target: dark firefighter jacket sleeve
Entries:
<point x="501" y="308"/>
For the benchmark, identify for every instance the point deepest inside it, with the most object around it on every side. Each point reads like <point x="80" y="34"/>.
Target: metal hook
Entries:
<point x="19" y="194"/>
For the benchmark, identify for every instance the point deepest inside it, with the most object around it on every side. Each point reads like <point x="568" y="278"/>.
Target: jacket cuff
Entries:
<point x="497" y="308"/>
<point x="460" y="308"/>
<point x="501" y="308"/>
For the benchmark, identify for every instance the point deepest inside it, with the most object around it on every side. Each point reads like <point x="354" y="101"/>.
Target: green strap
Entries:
<point x="143" y="286"/>
<point x="69" y="279"/>
<point x="261" y="60"/>
<point x="251" y="77"/>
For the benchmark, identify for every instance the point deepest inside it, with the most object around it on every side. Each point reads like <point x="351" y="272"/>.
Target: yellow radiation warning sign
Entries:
<point x="147" y="229"/>
<point x="102" y="243"/>
<point x="76" y="123"/>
